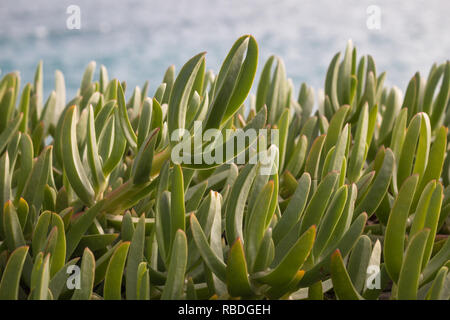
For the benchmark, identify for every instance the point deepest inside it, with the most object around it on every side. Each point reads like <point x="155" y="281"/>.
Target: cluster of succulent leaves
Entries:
<point x="362" y="182"/>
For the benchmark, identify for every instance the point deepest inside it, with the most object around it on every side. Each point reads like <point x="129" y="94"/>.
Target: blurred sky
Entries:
<point x="138" y="40"/>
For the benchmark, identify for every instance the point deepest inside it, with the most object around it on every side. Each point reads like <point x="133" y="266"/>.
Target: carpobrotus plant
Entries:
<point x="355" y="205"/>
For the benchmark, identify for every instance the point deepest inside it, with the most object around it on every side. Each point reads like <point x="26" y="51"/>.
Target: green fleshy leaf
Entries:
<point x="233" y="81"/>
<point x="9" y="285"/>
<point x="180" y="92"/>
<point x="408" y="281"/>
<point x="114" y="273"/>
<point x="73" y="166"/>
<point x="396" y="228"/>
<point x="342" y="285"/>
<point x="135" y="257"/>
<point x="285" y="271"/>
<point x="173" y="287"/>
<point x="236" y="272"/>
<point x="124" y="121"/>
<point x="211" y="259"/>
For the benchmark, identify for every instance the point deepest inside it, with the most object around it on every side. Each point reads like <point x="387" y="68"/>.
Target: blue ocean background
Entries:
<point x="138" y="40"/>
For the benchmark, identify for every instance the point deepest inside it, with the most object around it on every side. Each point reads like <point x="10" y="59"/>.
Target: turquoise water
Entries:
<point x="138" y="40"/>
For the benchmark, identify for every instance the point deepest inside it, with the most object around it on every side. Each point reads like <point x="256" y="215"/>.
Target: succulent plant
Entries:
<point x="357" y="206"/>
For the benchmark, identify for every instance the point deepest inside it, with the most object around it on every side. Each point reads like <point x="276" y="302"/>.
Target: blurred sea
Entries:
<point x="138" y="40"/>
